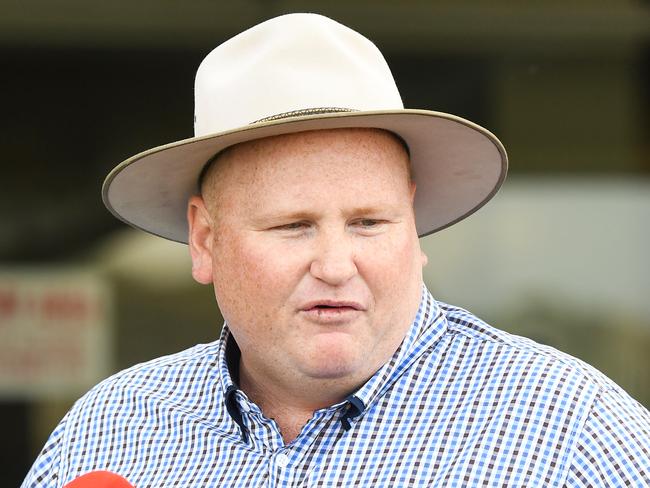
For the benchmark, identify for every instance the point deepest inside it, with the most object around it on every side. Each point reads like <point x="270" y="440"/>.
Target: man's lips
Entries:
<point x="331" y="306"/>
<point x="331" y="312"/>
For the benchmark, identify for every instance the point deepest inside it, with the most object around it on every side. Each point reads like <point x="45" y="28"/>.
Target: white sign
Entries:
<point x="54" y="333"/>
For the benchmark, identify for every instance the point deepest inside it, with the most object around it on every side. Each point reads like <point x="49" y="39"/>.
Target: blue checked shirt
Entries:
<point x="459" y="404"/>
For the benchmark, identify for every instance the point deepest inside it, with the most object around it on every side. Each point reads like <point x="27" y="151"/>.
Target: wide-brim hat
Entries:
<point x="302" y="72"/>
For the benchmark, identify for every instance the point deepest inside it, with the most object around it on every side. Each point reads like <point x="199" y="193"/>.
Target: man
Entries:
<point x="335" y="367"/>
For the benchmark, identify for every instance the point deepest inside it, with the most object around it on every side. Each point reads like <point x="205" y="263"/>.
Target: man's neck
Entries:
<point x="290" y="410"/>
<point x="306" y="395"/>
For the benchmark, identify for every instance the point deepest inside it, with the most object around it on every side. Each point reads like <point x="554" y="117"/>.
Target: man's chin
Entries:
<point x="333" y="363"/>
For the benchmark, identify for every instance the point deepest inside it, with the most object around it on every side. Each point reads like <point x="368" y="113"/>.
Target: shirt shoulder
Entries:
<point x="608" y="436"/>
<point x="179" y="381"/>
<point x="184" y="383"/>
<point x="467" y="325"/>
<point x="177" y="367"/>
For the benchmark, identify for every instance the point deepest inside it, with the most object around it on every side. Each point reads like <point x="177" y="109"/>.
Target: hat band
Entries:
<point x="305" y="111"/>
<point x="283" y="115"/>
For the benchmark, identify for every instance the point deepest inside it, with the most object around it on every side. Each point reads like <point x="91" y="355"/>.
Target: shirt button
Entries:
<point x="282" y="460"/>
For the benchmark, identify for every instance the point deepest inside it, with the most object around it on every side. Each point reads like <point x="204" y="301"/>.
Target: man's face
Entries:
<point x="310" y="242"/>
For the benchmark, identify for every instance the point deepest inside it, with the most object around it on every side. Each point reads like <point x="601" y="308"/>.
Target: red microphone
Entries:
<point x="99" y="479"/>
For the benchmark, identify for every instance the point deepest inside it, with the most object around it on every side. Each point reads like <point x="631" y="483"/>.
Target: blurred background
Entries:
<point x="560" y="255"/>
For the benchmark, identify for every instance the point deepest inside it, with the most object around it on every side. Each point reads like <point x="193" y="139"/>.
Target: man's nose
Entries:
<point x="334" y="261"/>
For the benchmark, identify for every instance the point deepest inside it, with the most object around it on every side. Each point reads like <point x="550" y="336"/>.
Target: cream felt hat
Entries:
<point x="301" y="72"/>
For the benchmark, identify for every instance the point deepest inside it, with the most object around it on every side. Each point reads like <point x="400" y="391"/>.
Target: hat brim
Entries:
<point x="457" y="167"/>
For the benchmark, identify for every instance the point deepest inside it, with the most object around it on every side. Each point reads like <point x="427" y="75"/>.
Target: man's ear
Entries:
<point x="424" y="259"/>
<point x="200" y="239"/>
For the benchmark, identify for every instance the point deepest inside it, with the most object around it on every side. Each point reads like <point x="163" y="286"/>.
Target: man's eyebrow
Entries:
<point x="371" y="209"/>
<point x="291" y="215"/>
<point x="279" y="216"/>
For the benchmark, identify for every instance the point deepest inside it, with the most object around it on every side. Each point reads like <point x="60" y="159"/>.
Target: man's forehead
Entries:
<point x="307" y="140"/>
<point x="255" y="155"/>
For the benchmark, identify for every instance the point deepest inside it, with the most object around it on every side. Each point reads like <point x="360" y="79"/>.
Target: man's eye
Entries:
<point x="292" y="226"/>
<point x="368" y="223"/>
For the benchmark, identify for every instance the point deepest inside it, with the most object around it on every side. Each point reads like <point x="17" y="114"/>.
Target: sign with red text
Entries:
<point x="54" y="333"/>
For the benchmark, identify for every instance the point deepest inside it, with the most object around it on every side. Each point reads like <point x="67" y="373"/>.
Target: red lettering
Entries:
<point x="64" y="306"/>
<point x="8" y="303"/>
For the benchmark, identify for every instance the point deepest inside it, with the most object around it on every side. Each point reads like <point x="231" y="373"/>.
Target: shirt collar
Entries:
<point x="428" y="327"/>
<point x="228" y="359"/>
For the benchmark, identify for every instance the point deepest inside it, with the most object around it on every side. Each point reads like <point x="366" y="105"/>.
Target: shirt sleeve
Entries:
<point x="613" y="449"/>
<point x="45" y="470"/>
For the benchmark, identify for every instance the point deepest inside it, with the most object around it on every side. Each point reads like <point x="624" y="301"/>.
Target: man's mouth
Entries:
<point x="331" y="312"/>
<point x="331" y="306"/>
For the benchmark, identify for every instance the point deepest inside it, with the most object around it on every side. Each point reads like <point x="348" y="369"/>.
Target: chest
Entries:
<point x="429" y="441"/>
